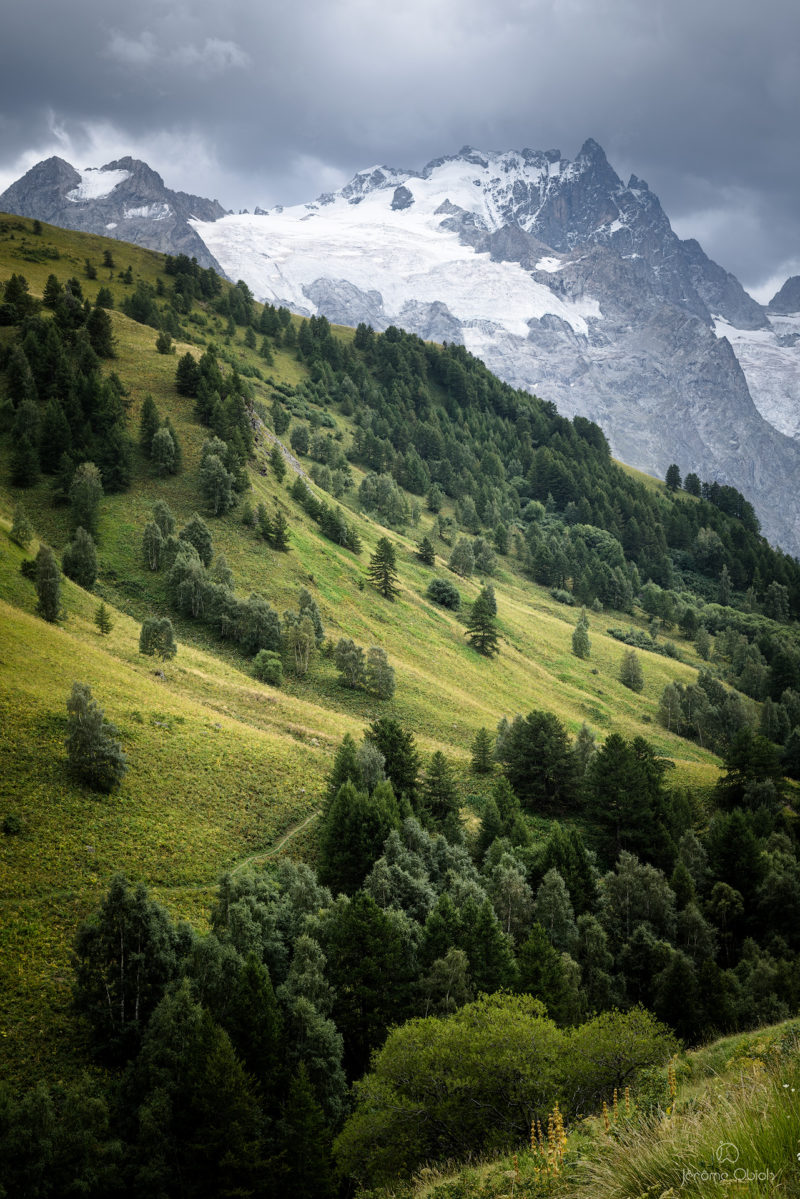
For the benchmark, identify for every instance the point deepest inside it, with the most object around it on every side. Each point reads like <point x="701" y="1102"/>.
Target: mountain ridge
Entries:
<point x="132" y="204"/>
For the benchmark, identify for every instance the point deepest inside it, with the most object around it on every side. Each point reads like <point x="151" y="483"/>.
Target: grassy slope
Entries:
<point x="219" y="764"/>
<point x="741" y="1091"/>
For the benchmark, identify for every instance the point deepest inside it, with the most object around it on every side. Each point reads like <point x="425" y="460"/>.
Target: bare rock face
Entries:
<point x="124" y="199"/>
<point x="787" y="300"/>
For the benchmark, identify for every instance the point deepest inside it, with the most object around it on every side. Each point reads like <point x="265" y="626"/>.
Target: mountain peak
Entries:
<point x="593" y="151"/>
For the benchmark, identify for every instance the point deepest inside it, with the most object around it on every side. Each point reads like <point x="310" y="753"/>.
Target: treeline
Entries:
<point x="436" y="421"/>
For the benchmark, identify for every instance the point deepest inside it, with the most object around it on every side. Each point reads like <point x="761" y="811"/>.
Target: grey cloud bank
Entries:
<point x="262" y="104"/>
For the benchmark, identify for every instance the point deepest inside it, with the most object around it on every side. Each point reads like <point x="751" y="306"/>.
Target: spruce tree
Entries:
<point x="439" y="791"/>
<point x="277" y="463"/>
<point x="426" y="552"/>
<point x="482" y="752"/>
<point x="481" y="630"/>
<point x="280" y="532"/>
<point x="102" y="618"/>
<point x="382" y="570"/>
<point x="94" y="752"/>
<point x="48" y="584"/>
<point x="305" y="1143"/>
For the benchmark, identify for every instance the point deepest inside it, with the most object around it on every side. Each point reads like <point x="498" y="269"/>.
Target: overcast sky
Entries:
<point x="266" y="102"/>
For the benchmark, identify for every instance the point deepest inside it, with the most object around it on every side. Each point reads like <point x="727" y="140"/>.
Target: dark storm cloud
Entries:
<point x="260" y="103"/>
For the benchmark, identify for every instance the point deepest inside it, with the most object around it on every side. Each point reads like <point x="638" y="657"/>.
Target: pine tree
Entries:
<point x="102" y="618"/>
<point x="382" y="570"/>
<point x="426" y="552"/>
<point x="48" y="584"/>
<point x="94" y="751"/>
<point x="673" y="477"/>
<point x="481" y="630"/>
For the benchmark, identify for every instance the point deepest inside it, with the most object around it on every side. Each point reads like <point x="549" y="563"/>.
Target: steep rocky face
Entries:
<point x="787" y="300"/>
<point x="125" y="199"/>
<point x="565" y="281"/>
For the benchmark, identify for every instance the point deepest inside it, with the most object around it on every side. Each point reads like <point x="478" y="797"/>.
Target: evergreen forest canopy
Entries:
<point x="591" y="903"/>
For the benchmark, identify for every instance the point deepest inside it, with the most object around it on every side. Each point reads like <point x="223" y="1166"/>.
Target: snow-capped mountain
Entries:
<point x="123" y="199"/>
<point x="565" y="281"/>
<point x="562" y="278"/>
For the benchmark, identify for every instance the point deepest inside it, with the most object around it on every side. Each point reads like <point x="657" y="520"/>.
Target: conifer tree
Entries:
<point x="439" y="791"/>
<point x="24" y="462"/>
<point x="48" y="584"/>
<point x="280" y="532"/>
<point x="382" y="570"/>
<point x="102" y="618"/>
<point x="426" y="552"/>
<point x="305" y="1143"/>
<point x="481" y="630"/>
<point x="94" y="751"/>
<point x="580" y="637"/>
<point x="277" y="463"/>
<point x="482" y="752"/>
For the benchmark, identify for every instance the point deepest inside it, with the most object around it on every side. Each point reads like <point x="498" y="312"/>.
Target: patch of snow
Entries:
<point x="772" y="369"/>
<point x="96" y="183"/>
<point x="154" y="212"/>
<point x="549" y="264"/>
<point x="402" y="253"/>
<point x="111" y="225"/>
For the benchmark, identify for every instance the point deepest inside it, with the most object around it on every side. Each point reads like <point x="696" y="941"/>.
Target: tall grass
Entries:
<point x="740" y="1136"/>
